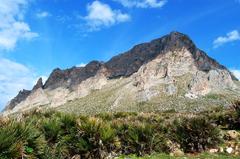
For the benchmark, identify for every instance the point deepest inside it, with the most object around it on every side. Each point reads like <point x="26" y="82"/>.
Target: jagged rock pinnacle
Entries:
<point x="39" y="84"/>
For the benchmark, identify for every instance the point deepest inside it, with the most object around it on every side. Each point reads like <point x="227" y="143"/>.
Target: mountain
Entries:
<point x="166" y="73"/>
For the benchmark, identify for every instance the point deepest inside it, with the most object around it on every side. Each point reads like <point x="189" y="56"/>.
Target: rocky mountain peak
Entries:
<point x="70" y="77"/>
<point x="178" y="40"/>
<point x="176" y="50"/>
<point x="125" y="64"/>
<point x="129" y="62"/>
<point x="39" y="84"/>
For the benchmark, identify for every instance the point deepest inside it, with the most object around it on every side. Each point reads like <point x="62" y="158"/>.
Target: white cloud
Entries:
<point x="102" y="15"/>
<point x="143" y="3"/>
<point x="81" y="65"/>
<point x="13" y="78"/>
<point x="230" y="37"/>
<point x="43" y="14"/>
<point x="12" y="25"/>
<point x="236" y="73"/>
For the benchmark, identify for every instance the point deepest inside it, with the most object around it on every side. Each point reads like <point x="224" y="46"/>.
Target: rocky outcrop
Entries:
<point x="128" y="63"/>
<point x="147" y="65"/>
<point x="38" y="85"/>
<point x="124" y="65"/>
<point x="22" y="95"/>
<point x="71" y="77"/>
<point x="203" y="83"/>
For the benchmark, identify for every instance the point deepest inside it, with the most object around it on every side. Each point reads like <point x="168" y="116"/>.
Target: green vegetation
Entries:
<point x="197" y="134"/>
<point x="190" y="156"/>
<point x="56" y="135"/>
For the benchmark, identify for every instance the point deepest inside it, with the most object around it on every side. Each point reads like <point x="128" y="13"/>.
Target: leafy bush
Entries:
<point x="124" y="114"/>
<point x="51" y="129"/>
<point x="229" y="119"/>
<point x="97" y="138"/>
<point x="234" y="120"/>
<point x="141" y="139"/>
<point x="105" y="116"/>
<point x="20" y="140"/>
<point x="236" y="107"/>
<point x="196" y="134"/>
<point x="54" y="135"/>
<point x="11" y="145"/>
<point x="35" y="140"/>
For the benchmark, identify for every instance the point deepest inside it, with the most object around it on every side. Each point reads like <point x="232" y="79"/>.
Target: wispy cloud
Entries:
<point x="12" y="26"/>
<point x="13" y="78"/>
<point x="230" y="37"/>
<point x="236" y="72"/>
<point x="101" y="15"/>
<point x="142" y="3"/>
<point x="43" y="14"/>
<point x="81" y="65"/>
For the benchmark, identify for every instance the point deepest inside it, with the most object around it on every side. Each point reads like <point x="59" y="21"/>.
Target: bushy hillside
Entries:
<point x="57" y="135"/>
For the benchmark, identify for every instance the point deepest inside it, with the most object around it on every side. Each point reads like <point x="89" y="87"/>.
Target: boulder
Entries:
<point x="213" y="150"/>
<point x="232" y="135"/>
<point x="229" y="150"/>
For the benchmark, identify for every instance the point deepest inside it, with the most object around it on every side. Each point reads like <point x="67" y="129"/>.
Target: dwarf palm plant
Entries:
<point x="11" y="143"/>
<point x="197" y="134"/>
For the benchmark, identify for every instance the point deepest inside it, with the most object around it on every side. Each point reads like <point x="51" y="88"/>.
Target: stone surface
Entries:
<point x="71" y="77"/>
<point x="178" y="153"/>
<point x="232" y="135"/>
<point x="221" y="149"/>
<point x="213" y="150"/>
<point x="191" y="95"/>
<point x="229" y="150"/>
<point x="76" y="157"/>
<point x="217" y="79"/>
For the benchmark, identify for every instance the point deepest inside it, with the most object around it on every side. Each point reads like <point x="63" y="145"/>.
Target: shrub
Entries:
<point x="124" y="114"/>
<point x="11" y="145"/>
<point x="229" y="119"/>
<point x="52" y="135"/>
<point x="236" y="107"/>
<point x="105" y="116"/>
<point x="235" y="120"/>
<point x="67" y="123"/>
<point x="35" y="140"/>
<point x="20" y="140"/>
<point x="196" y="134"/>
<point x="96" y="138"/>
<point x="141" y="139"/>
<point x="51" y="129"/>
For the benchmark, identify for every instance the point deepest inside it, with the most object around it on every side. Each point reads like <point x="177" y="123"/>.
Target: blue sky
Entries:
<point x="37" y="36"/>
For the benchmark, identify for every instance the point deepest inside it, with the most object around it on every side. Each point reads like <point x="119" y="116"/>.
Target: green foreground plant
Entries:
<point x="54" y="135"/>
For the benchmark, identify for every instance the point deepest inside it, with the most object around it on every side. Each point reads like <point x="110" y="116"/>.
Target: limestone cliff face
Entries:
<point x="145" y="67"/>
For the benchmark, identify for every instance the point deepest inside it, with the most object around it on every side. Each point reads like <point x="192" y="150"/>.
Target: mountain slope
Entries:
<point x="151" y="75"/>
